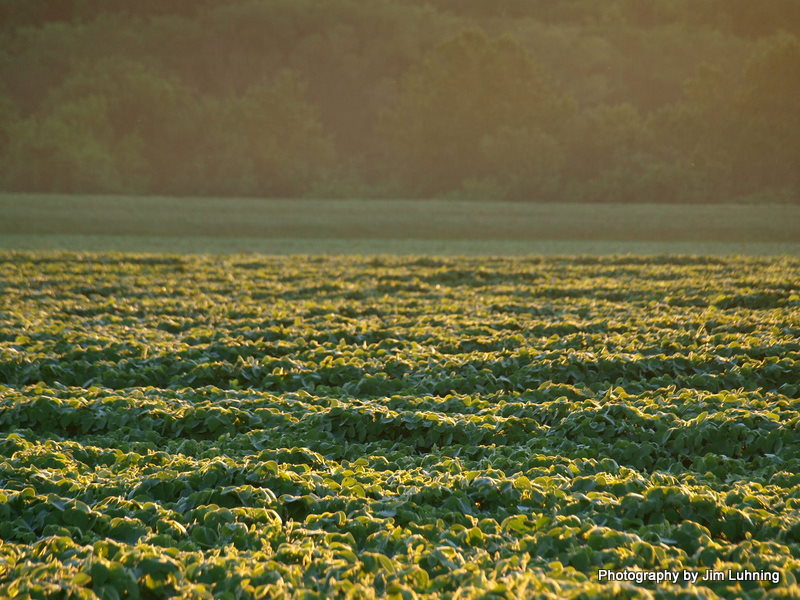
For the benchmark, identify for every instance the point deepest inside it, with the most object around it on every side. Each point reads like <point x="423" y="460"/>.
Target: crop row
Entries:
<point x="247" y="427"/>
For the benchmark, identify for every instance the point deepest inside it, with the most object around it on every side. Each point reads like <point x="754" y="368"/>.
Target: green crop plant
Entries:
<point x="307" y="427"/>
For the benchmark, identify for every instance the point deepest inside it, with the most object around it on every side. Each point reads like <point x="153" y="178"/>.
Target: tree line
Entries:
<point x="530" y="100"/>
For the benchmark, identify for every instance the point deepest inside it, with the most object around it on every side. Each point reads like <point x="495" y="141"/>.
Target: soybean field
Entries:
<point x="247" y="426"/>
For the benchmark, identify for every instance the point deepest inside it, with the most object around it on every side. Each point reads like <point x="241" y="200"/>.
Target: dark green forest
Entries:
<point x="530" y="100"/>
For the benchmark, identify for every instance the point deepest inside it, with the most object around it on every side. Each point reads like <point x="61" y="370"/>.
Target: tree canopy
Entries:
<point x="532" y="100"/>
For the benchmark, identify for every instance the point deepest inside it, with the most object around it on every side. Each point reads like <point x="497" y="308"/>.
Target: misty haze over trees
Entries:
<point x="623" y="100"/>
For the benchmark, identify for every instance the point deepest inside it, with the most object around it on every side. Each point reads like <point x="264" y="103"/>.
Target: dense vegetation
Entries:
<point x="665" y="100"/>
<point x="396" y="428"/>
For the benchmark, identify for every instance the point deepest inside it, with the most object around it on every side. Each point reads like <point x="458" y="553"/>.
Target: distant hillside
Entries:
<point x="623" y="101"/>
